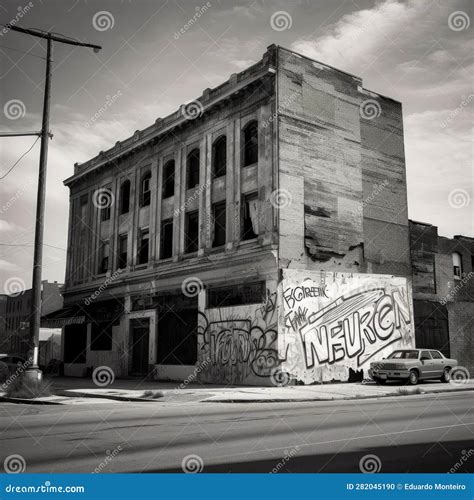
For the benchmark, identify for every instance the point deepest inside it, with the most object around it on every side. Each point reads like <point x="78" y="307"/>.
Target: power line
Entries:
<point x="19" y="159"/>
<point x="22" y="52"/>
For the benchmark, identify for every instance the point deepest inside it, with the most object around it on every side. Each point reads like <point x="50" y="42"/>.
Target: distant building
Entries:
<point x="259" y="230"/>
<point x="443" y="292"/>
<point x="16" y="315"/>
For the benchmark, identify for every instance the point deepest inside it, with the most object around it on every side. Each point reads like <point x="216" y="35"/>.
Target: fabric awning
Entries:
<point x="63" y="317"/>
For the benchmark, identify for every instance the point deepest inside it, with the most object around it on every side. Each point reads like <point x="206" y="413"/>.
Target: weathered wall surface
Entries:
<point x="238" y="345"/>
<point x="344" y="168"/>
<point x="461" y="333"/>
<point x="331" y="323"/>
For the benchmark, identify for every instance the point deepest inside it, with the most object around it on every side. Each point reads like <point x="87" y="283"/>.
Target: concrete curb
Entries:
<point x="6" y="399"/>
<point x="107" y="396"/>
<point x="343" y="398"/>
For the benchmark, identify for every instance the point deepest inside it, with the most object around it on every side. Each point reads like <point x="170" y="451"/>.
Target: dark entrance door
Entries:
<point x="139" y="336"/>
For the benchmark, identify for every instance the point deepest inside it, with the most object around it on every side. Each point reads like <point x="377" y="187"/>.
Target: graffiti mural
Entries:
<point x="334" y="322"/>
<point x="240" y="343"/>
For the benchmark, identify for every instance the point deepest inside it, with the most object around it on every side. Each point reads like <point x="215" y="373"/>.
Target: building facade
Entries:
<point x="443" y="292"/>
<point x="16" y="311"/>
<point x="259" y="231"/>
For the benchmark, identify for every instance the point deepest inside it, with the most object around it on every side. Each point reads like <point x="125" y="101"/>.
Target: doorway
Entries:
<point x="139" y="338"/>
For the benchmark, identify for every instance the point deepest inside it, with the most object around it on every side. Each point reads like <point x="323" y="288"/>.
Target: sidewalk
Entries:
<point x="135" y="390"/>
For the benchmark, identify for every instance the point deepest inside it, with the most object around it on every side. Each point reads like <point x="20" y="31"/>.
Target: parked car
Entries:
<point x="412" y="365"/>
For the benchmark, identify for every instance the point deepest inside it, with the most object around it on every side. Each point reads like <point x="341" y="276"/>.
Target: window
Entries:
<point x="166" y="244"/>
<point x="168" y="179"/>
<point x="125" y="197"/>
<point x="101" y="336"/>
<point x="249" y="224"/>
<point x="457" y="265"/>
<point x="122" y="251"/>
<point x="226" y="296"/>
<point x="218" y="213"/>
<point x="436" y="355"/>
<point x="191" y="232"/>
<point x="250" y="144"/>
<point x="145" y="189"/>
<point x="143" y="246"/>
<point x="425" y="355"/>
<point x="104" y="199"/>
<point x="219" y="157"/>
<point x="104" y="257"/>
<point x="192" y="178"/>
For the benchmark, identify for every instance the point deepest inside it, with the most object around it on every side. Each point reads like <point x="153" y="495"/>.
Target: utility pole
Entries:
<point x="33" y="372"/>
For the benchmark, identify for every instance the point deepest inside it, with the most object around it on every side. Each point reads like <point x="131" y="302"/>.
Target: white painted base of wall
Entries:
<point x="174" y="372"/>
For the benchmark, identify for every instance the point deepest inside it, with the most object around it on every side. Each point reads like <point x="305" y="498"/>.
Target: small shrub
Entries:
<point x="152" y="394"/>
<point x="28" y="389"/>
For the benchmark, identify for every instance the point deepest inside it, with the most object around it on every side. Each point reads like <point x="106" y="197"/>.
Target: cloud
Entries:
<point x="6" y="226"/>
<point x="7" y="266"/>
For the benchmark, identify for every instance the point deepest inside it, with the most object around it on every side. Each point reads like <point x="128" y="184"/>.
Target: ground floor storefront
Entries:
<point x="307" y="326"/>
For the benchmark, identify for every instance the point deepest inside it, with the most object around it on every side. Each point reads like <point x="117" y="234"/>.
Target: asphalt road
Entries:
<point x="423" y="433"/>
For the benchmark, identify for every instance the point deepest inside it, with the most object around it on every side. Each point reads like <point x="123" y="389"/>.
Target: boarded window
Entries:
<point x="101" y="336"/>
<point x="192" y="177"/>
<point x="75" y="343"/>
<point x="166" y="244"/>
<point x="177" y="337"/>
<point x="249" y="216"/>
<point x="168" y="179"/>
<point x="143" y="246"/>
<point x="248" y="293"/>
<point x="192" y="232"/>
<point x="250" y="144"/>
<point x="218" y="213"/>
<point x="219" y="157"/>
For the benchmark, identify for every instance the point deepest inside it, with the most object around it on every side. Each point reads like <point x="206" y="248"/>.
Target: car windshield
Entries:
<point x="404" y="355"/>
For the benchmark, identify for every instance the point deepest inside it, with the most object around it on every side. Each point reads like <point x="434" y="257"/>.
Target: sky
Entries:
<point x="417" y="52"/>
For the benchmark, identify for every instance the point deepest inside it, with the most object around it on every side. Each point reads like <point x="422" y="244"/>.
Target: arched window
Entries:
<point x="219" y="156"/>
<point x="168" y="179"/>
<point x="457" y="265"/>
<point x="192" y="177"/>
<point x="125" y="197"/>
<point x="250" y="144"/>
<point x="145" y="189"/>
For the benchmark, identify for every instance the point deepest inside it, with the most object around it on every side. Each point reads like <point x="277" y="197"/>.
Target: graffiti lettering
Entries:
<point x="297" y="294"/>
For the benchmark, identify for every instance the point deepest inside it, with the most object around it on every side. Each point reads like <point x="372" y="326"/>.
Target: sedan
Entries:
<point x="412" y="365"/>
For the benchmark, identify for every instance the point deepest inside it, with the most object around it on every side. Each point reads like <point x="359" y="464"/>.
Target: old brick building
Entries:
<point x="260" y="229"/>
<point x="443" y="292"/>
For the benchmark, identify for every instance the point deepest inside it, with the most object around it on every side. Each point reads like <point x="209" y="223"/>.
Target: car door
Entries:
<point x="426" y="364"/>
<point x="438" y="363"/>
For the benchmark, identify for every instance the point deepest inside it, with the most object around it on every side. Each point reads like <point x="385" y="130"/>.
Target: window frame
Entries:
<point x="142" y="232"/>
<point x="102" y="257"/>
<point x="126" y="184"/>
<point x="165" y="183"/>
<point x="166" y="223"/>
<point x="120" y="261"/>
<point x="191" y="247"/>
<point x="216" y="206"/>
<point x="221" y="169"/>
<point x="145" y="196"/>
<point x="192" y="174"/>
<point x="250" y="150"/>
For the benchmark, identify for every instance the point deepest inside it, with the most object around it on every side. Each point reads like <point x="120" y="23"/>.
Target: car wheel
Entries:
<point x="413" y="377"/>
<point x="446" y="377"/>
<point x="379" y="381"/>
